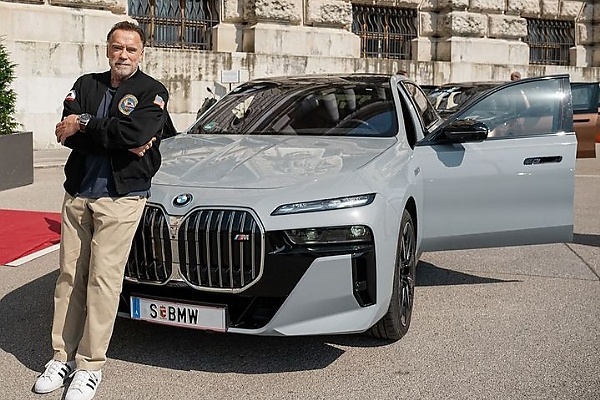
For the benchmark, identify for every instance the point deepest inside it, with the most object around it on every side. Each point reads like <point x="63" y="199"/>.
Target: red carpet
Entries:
<point x="25" y="233"/>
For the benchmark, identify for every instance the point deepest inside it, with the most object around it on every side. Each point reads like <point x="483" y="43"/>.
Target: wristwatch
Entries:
<point x="84" y="119"/>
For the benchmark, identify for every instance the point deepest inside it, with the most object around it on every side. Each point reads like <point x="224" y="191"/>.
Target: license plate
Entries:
<point x="179" y="314"/>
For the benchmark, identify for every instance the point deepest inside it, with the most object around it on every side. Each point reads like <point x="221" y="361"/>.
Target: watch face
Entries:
<point x="84" y="118"/>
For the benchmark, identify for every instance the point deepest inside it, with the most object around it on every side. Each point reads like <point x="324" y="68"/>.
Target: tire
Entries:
<point x="396" y="321"/>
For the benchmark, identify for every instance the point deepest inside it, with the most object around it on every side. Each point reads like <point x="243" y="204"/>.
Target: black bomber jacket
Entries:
<point x="138" y="113"/>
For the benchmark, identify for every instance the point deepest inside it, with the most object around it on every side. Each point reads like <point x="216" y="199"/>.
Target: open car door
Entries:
<point x="513" y="186"/>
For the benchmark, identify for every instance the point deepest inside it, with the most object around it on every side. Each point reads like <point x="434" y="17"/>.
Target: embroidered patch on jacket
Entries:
<point x="70" y="96"/>
<point x="127" y="104"/>
<point x="159" y="101"/>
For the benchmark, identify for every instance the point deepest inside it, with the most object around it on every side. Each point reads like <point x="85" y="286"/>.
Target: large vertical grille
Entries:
<point x="220" y="249"/>
<point x="150" y="259"/>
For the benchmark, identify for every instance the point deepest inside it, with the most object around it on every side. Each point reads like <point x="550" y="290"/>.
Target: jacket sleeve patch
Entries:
<point x="159" y="101"/>
<point x="70" y="96"/>
<point x="127" y="104"/>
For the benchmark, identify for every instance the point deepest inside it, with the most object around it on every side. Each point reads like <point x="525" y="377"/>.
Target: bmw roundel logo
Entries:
<point x="182" y="200"/>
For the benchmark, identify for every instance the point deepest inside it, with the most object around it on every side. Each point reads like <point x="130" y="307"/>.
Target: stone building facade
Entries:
<point x="54" y="41"/>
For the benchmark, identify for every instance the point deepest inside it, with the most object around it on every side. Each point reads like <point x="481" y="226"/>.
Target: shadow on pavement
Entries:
<point x="431" y="275"/>
<point x="586" y="239"/>
<point x="26" y="322"/>
<point x="26" y="318"/>
<point x="188" y="349"/>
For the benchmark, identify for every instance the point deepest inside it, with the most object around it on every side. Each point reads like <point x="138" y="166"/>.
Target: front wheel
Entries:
<point x="396" y="321"/>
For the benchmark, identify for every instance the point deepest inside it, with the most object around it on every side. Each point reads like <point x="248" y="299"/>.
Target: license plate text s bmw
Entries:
<point x="179" y="314"/>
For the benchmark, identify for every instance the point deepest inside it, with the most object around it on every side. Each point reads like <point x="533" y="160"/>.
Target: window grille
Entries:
<point x="176" y="23"/>
<point x="385" y="32"/>
<point x="549" y="41"/>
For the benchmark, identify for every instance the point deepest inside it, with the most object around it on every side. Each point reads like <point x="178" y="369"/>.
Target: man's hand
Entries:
<point x="140" y="151"/>
<point x="67" y="127"/>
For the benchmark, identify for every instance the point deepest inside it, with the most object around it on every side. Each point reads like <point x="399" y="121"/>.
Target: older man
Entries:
<point x="113" y="123"/>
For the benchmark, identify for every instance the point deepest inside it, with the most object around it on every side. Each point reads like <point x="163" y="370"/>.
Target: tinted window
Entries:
<point x="585" y="97"/>
<point x="334" y="109"/>
<point x="525" y="109"/>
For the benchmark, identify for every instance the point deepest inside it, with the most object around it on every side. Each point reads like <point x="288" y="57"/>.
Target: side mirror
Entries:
<point x="465" y="130"/>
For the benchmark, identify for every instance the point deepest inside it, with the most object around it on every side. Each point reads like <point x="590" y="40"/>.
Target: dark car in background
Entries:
<point x="452" y="97"/>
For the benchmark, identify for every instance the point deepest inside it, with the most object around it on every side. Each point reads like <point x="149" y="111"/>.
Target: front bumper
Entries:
<point x="333" y="294"/>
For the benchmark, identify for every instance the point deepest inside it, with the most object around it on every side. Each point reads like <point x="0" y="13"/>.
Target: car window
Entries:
<point x="585" y="97"/>
<point x="424" y="107"/>
<point x="336" y="109"/>
<point x="448" y="99"/>
<point x="524" y="109"/>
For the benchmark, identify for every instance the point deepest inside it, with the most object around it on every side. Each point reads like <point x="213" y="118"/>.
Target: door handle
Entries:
<point x="542" y="160"/>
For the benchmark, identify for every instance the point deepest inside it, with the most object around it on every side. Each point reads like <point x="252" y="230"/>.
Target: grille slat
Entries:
<point x="218" y="241"/>
<point x="230" y="247"/>
<point x="197" y="250"/>
<point x="242" y="270"/>
<point x="207" y="252"/>
<point x="253" y="250"/>
<point x="153" y="247"/>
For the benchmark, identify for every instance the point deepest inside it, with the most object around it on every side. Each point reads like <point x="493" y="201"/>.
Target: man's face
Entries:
<point x="124" y="52"/>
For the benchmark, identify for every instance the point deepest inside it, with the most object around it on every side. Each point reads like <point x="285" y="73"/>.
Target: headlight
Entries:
<point x="325" y="205"/>
<point x="331" y="235"/>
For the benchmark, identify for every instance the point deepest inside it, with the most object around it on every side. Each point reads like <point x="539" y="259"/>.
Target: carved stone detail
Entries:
<point x="459" y="23"/>
<point x="289" y="11"/>
<point x="329" y="13"/>
<point x="116" y="6"/>
<point x="507" y="27"/>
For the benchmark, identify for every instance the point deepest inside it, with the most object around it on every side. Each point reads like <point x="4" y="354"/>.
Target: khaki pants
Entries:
<point x="96" y="237"/>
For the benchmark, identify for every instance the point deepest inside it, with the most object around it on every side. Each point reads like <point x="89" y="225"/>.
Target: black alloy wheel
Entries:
<point x="396" y="321"/>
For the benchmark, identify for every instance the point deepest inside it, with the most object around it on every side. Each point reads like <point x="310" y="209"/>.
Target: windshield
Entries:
<point x="336" y="108"/>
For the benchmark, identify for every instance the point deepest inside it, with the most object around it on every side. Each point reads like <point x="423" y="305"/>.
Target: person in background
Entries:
<point x="515" y="76"/>
<point x="113" y="122"/>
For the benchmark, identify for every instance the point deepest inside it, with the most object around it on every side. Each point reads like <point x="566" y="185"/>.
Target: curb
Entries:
<point x="50" y="158"/>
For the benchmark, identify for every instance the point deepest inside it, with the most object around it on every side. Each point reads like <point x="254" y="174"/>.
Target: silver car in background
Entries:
<point x="300" y="205"/>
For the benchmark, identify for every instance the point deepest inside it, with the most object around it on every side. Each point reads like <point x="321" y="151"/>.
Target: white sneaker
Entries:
<point x="54" y="376"/>
<point x="84" y="385"/>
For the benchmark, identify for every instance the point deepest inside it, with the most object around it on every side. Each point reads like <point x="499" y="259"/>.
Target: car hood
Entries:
<point x="261" y="162"/>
